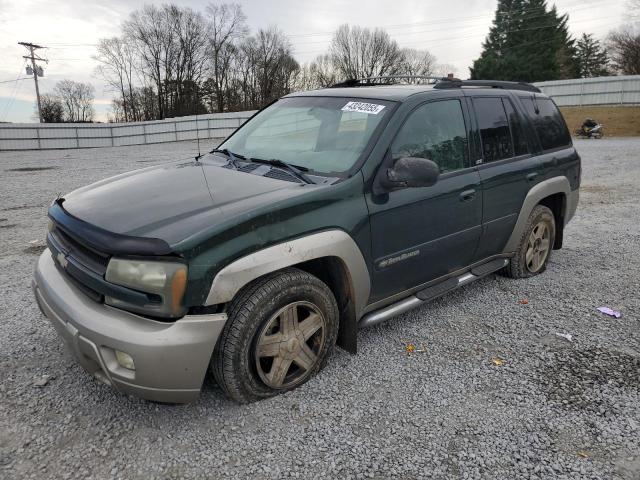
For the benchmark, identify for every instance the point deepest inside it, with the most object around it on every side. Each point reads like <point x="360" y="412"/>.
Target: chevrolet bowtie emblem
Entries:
<point x="62" y="260"/>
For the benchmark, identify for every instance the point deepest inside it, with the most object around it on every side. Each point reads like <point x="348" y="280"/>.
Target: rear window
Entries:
<point x="548" y="123"/>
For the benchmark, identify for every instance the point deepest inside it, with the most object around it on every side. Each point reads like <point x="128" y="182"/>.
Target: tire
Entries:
<point x="266" y="335"/>
<point x="535" y="246"/>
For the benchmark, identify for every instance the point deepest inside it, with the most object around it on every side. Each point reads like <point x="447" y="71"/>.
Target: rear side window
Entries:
<point x="519" y="139"/>
<point x="548" y="123"/>
<point x="494" y="129"/>
<point x="435" y="131"/>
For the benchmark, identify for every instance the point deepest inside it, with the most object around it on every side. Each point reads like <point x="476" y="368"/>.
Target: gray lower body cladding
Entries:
<point x="170" y="358"/>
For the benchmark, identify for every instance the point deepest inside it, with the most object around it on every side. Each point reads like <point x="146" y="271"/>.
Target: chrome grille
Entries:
<point x="87" y="257"/>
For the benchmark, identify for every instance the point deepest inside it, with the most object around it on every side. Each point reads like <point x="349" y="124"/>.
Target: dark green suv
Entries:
<point x="327" y="211"/>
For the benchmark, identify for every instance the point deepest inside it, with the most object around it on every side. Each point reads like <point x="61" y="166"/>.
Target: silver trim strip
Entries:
<point x="469" y="277"/>
<point x="330" y="243"/>
<point x="405" y="293"/>
<point x="412" y="301"/>
<point x="391" y="311"/>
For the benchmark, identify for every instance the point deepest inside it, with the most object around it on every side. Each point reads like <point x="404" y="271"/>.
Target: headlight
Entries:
<point x="165" y="281"/>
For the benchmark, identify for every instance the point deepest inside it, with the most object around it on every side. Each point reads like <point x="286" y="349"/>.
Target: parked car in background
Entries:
<point x="327" y="211"/>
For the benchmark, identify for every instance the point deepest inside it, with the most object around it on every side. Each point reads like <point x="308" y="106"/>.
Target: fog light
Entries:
<point x="125" y="360"/>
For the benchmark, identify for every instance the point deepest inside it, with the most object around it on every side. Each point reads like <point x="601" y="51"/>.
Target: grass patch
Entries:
<point x="618" y="121"/>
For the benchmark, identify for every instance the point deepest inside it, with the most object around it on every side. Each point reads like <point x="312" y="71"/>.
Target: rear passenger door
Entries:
<point x="506" y="166"/>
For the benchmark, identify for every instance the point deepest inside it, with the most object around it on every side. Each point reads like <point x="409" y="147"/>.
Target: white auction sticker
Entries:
<point x="362" y="107"/>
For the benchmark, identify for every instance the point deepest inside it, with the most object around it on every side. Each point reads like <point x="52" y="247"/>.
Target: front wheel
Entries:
<point x="280" y="332"/>
<point x="532" y="256"/>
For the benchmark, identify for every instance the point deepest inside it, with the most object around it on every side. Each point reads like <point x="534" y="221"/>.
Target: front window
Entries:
<point x="435" y="131"/>
<point x="322" y="134"/>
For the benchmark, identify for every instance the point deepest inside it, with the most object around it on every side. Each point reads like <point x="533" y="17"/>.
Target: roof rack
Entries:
<point x="387" y="80"/>
<point x="455" y="83"/>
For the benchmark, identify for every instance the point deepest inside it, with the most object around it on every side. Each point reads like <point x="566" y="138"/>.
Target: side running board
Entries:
<point x="429" y="293"/>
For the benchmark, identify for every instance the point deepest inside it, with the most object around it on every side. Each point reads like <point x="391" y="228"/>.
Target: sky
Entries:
<point x="453" y="31"/>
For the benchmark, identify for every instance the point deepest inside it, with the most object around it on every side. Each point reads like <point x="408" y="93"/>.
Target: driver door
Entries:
<point x="421" y="234"/>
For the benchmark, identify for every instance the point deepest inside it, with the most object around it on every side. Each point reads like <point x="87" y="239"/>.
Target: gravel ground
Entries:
<point x="551" y="408"/>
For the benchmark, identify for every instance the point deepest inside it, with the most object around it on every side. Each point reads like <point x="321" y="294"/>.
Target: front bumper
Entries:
<point x="171" y="358"/>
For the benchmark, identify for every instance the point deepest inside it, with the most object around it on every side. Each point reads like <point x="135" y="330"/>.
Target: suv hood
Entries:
<point x="175" y="201"/>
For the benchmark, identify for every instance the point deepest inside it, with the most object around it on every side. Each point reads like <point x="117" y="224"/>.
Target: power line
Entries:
<point x="16" y="80"/>
<point x="457" y="38"/>
<point x="12" y="100"/>
<point x="6" y="107"/>
<point x="449" y="28"/>
<point x="583" y="4"/>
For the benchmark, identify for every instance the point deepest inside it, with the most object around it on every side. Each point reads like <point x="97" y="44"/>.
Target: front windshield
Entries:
<point x="323" y="134"/>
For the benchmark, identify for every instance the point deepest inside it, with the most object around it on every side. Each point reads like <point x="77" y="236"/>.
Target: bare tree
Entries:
<point x="318" y="73"/>
<point x="117" y="66"/>
<point x="171" y="43"/>
<point x="226" y="26"/>
<point x="142" y="100"/>
<point x="51" y="109"/>
<point x="444" y="69"/>
<point x="358" y="52"/>
<point x="624" y="50"/>
<point x="190" y="39"/>
<point x="77" y="100"/>
<point x="323" y="72"/>
<point x="417" y="62"/>
<point x="633" y="10"/>
<point x="265" y="68"/>
<point x="148" y="30"/>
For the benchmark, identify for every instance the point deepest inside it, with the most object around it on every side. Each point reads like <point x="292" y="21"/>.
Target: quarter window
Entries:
<point x="435" y="131"/>
<point x="548" y="123"/>
<point x="494" y="129"/>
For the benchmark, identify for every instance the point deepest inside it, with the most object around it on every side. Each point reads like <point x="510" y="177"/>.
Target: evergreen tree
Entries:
<point x="592" y="58"/>
<point x="527" y="42"/>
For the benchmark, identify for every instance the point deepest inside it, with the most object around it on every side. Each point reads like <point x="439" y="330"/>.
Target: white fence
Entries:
<point x="622" y="90"/>
<point x="34" y="136"/>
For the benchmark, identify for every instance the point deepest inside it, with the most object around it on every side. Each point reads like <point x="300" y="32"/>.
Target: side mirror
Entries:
<point x="410" y="172"/>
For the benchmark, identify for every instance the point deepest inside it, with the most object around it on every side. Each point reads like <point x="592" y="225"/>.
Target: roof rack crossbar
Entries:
<point x="527" y="87"/>
<point x="380" y="80"/>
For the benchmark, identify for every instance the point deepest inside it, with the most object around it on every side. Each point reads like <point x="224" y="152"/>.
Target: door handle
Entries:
<point x="532" y="176"/>
<point x="467" y="195"/>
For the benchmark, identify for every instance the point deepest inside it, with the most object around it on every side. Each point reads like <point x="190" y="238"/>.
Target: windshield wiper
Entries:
<point x="233" y="157"/>
<point x="296" y="170"/>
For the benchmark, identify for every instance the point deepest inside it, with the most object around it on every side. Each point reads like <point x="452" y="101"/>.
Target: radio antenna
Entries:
<point x="197" y="126"/>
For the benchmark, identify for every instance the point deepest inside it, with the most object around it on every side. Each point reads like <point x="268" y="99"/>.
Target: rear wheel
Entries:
<point x="532" y="256"/>
<point x="280" y="332"/>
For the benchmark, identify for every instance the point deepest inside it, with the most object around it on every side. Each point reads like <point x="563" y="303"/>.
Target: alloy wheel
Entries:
<point x="288" y="346"/>
<point x="538" y="247"/>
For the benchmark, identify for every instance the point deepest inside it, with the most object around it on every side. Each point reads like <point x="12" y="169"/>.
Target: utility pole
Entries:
<point x="32" y="48"/>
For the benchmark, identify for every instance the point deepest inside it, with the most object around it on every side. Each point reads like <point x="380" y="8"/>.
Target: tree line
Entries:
<point x="68" y="102"/>
<point x="530" y="42"/>
<point x="171" y="61"/>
